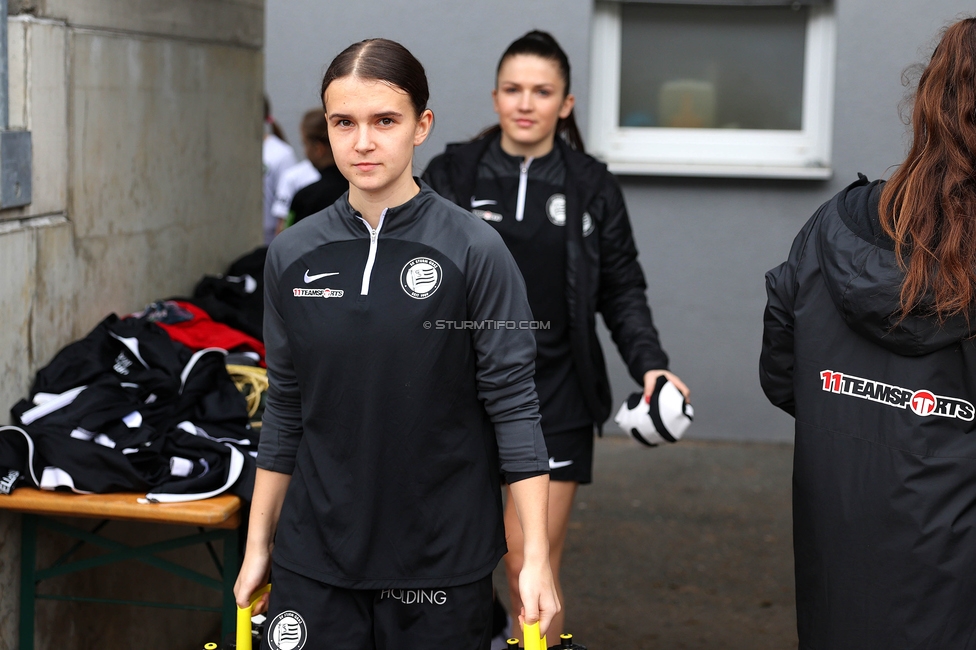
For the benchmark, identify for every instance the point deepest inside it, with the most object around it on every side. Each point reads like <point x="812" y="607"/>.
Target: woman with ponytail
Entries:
<point x="869" y="343"/>
<point x="563" y="217"/>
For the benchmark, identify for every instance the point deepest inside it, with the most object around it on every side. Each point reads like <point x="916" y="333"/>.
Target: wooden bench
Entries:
<point x="221" y="514"/>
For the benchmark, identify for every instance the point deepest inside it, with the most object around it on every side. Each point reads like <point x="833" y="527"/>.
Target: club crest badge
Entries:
<point x="287" y="631"/>
<point x="421" y="277"/>
<point x="556" y="209"/>
<point x="587" y="224"/>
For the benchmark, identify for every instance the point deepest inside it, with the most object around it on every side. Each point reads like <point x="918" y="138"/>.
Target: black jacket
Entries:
<point x="884" y="483"/>
<point x="602" y="273"/>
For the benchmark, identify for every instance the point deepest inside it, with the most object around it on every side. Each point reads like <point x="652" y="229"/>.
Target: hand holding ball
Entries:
<point x="664" y="419"/>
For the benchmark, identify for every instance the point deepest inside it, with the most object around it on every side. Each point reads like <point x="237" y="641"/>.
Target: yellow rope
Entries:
<point x="251" y="382"/>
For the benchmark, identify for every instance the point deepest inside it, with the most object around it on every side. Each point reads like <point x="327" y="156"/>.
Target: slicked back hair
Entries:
<point x="380" y="59"/>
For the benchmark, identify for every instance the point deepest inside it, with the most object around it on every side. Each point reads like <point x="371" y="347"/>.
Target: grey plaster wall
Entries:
<point x="146" y="125"/>
<point x="705" y="243"/>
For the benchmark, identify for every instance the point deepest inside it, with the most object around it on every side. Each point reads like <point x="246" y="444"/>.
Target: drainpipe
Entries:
<point x="15" y="146"/>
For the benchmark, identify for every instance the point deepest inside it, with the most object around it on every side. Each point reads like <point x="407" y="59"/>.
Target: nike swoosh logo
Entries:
<point x="556" y="464"/>
<point x="313" y="278"/>
<point x="477" y="203"/>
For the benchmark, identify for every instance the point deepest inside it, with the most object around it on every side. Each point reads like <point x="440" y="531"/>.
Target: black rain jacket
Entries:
<point x="602" y="272"/>
<point x="884" y="477"/>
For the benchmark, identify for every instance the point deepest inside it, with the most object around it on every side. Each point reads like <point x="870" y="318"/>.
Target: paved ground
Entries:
<point x="683" y="547"/>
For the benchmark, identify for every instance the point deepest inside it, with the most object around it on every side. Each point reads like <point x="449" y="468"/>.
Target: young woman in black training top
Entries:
<point x="377" y="505"/>
<point x="563" y="218"/>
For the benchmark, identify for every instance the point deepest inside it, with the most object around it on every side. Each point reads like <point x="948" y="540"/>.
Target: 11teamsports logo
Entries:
<point x="921" y="402"/>
<point x="300" y="292"/>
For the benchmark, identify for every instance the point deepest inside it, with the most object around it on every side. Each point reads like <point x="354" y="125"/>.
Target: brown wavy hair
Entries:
<point x="929" y="205"/>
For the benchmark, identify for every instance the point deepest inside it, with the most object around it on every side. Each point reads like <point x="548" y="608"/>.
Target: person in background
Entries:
<point x="276" y="156"/>
<point x="377" y="504"/>
<point x="562" y="215"/>
<point x="320" y="194"/>
<point x="870" y="343"/>
<point x="318" y="154"/>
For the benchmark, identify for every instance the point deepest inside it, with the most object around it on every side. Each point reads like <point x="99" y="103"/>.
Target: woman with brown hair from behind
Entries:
<point x="869" y="343"/>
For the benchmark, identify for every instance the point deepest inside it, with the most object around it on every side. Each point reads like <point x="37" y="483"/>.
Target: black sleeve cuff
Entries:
<point x="515" y="477"/>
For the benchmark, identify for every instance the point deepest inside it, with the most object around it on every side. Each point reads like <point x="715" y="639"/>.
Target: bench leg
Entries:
<point x="28" y="581"/>
<point x="231" y="568"/>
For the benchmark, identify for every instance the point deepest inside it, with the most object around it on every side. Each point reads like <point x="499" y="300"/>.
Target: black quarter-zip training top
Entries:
<point x="401" y="382"/>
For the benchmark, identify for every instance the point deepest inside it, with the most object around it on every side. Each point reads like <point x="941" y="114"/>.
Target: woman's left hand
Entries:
<point x="650" y="378"/>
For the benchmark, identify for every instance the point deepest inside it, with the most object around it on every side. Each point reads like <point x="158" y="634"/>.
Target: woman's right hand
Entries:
<point x="650" y="379"/>
<point x="266" y="500"/>
<point x="255" y="571"/>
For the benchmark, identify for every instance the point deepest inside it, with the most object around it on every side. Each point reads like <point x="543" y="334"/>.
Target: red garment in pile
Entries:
<point x="204" y="332"/>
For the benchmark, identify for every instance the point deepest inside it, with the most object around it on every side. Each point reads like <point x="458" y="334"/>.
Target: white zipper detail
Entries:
<point x="373" y="235"/>
<point x="523" y="182"/>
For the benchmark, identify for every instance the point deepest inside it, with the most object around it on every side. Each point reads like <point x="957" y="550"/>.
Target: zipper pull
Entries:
<point x="371" y="258"/>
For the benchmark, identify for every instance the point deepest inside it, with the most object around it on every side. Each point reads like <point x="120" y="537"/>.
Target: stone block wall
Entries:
<point x="146" y="124"/>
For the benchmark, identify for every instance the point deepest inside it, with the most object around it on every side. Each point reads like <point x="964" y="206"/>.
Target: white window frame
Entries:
<point x="740" y="153"/>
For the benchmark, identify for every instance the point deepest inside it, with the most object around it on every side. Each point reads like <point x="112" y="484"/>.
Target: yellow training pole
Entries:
<point x="532" y="640"/>
<point x="244" y="620"/>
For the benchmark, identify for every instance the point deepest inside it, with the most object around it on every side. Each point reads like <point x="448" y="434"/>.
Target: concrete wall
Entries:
<point x="705" y="244"/>
<point x="146" y="126"/>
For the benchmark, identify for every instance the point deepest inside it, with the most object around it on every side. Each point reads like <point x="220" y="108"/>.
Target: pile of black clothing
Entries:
<point x="128" y="409"/>
<point x="236" y="298"/>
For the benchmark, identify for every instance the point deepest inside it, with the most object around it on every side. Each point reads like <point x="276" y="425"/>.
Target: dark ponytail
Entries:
<point x="543" y="45"/>
<point x="270" y="121"/>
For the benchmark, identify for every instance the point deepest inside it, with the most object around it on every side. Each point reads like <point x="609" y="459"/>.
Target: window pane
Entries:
<point x="693" y="66"/>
